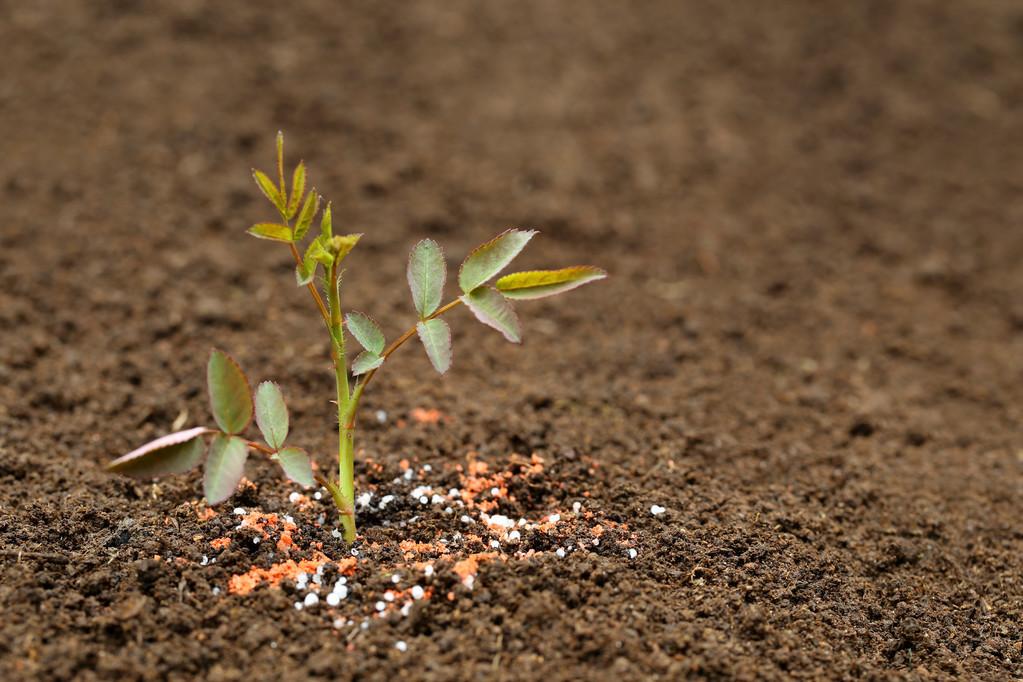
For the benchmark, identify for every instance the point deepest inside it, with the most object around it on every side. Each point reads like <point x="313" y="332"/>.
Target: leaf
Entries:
<point x="305" y="217"/>
<point x="494" y="310"/>
<point x="269" y="189"/>
<point x="426" y="273"/>
<point x="272" y="231"/>
<point x="271" y="414"/>
<point x="314" y="253"/>
<point x="366" y="361"/>
<point x="280" y="162"/>
<point x="540" y="283"/>
<point x="366" y="331"/>
<point x="487" y="260"/>
<point x="304" y="272"/>
<point x="230" y="396"/>
<point x="224" y="467"/>
<point x="436" y="337"/>
<point x="174" y="453"/>
<point x="297" y="189"/>
<point x="296" y="466"/>
<point x="326" y="228"/>
<point x="341" y="246"/>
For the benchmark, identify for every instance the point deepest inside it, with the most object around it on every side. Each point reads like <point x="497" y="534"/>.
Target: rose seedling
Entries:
<point x="318" y="268"/>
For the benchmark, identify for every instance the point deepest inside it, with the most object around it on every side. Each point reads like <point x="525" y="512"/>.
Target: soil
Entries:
<point x="808" y="351"/>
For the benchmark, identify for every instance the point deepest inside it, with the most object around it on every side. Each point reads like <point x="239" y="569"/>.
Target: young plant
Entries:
<point x="234" y="404"/>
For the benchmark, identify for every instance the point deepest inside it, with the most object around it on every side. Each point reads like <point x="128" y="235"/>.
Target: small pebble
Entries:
<point x="396" y="578"/>
<point x="409" y="474"/>
<point x="380" y="606"/>
<point x="381" y="416"/>
<point x="424" y="500"/>
<point x="336" y="534"/>
<point x="657" y="510"/>
<point x="428" y="571"/>
<point x="554" y="518"/>
<point x="576" y="507"/>
<point x="418" y="592"/>
<point x="514" y="536"/>
<point x="293" y="497"/>
<point x="298" y="606"/>
<point x="216" y="591"/>
<point x="560" y="553"/>
<point x="466" y="518"/>
<point x="317" y="495"/>
<point x="495" y="491"/>
<point x="633" y="553"/>
<point x="596" y="541"/>
<point x="340" y="591"/>
<point x="363" y="499"/>
<point x="401" y="646"/>
<point x="339" y="623"/>
<point x="255" y="541"/>
<point x="427" y="468"/>
<point x="385" y="500"/>
<point x="333" y="599"/>
<point x="495" y="544"/>
<point x="388" y="596"/>
<point x="355" y="552"/>
<point x="239" y="511"/>
<point x="312" y="599"/>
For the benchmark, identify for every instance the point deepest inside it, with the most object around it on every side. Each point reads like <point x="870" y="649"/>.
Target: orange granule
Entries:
<point x="287" y="570"/>
<point x="597" y="530"/>
<point x="426" y="416"/>
<point x="411" y="548"/>
<point x="403" y="465"/>
<point x="206" y="514"/>
<point x="220" y="543"/>
<point x="467" y="568"/>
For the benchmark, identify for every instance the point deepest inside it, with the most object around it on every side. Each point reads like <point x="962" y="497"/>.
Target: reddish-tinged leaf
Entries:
<point x="271" y="414"/>
<point x="436" y="337"/>
<point x="296" y="466"/>
<point x="488" y="259"/>
<point x="174" y="453"/>
<point x="230" y="396"/>
<point x="494" y="310"/>
<point x="541" y="283"/>
<point x="225" y="467"/>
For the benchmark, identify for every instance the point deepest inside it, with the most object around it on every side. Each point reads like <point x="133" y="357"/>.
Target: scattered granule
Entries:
<point x="467" y="568"/>
<point x="597" y="530"/>
<point x="206" y="514"/>
<point x="404" y="465"/>
<point x="220" y="543"/>
<point x="422" y="416"/>
<point x="285" y="543"/>
<point x="287" y="570"/>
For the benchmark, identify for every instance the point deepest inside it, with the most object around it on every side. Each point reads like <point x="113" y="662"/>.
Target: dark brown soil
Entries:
<point x="809" y="351"/>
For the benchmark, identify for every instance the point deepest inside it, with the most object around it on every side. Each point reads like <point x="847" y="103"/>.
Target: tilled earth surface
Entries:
<point x="809" y="351"/>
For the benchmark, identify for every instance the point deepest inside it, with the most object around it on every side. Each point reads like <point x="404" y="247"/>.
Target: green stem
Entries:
<point x="345" y="433"/>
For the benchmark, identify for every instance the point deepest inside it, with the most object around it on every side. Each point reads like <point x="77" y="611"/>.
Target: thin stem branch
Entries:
<point x="312" y="288"/>
<point x="395" y="345"/>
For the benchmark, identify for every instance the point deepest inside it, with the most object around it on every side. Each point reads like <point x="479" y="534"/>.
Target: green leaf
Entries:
<point x="541" y="283"/>
<point x="230" y="396"/>
<point x="304" y="272"/>
<point x="366" y="361"/>
<point x="341" y="246"/>
<point x="280" y="162"/>
<point x="305" y="217"/>
<point x="224" y="467"/>
<point x="272" y="231"/>
<point x="326" y="227"/>
<point x="314" y="253"/>
<point x="297" y="189"/>
<point x="296" y="466"/>
<point x="426" y="273"/>
<point x="487" y="260"/>
<point x="436" y="337"/>
<point x="271" y="414"/>
<point x="269" y="189"/>
<point x="366" y="331"/>
<point x="494" y="310"/>
<point x="174" y="453"/>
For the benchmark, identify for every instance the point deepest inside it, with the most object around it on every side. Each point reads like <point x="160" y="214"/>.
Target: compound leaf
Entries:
<point x="271" y="414"/>
<point x="494" y="310"/>
<point x="224" y="467"/>
<point x="366" y="361"/>
<point x="488" y="259"/>
<point x="230" y="396"/>
<point x="297" y="189"/>
<point x="174" y="453"/>
<point x="308" y="212"/>
<point x="426" y="273"/>
<point x="366" y="331"/>
<point x="436" y="337"/>
<point x="296" y="466"/>
<point x="272" y="192"/>
<point x="272" y="231"/>
<point x="541" y="283"/>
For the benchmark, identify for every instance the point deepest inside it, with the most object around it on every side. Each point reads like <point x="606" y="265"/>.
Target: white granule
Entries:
<point x="333" y="599"/>
<point x="401" y="646"/>
<point x="428" y="571"/>
<point x="514" y="536"/>
<point x="424" y="500"/>
<point x="409" y="474"/>
<point x="633" y="553"/>
<point x="560" y="553"/>
<point x="453" y="492"/>
<point x="355" y="552"/>
<point x="406" y="609"/>
<point x="495" y="491"/>
<point x="289" y="519"/>
<point x="554" y="518"/>
<point x="239" y="511"/>
<point x="255" y="541"/>
<point x="449" y="510"/>
<point x="317" y="495"/>
<point x="522" y="522"/>
<point x="336" y="534"/>
<point x="340" y="591"/>
<point x="298" y="606"/>
<point x="396" y="578"/>
<point x="385" y="500"/>
<point x="294" y="497"/>
<point x="381" y="416"/>
<point x="420" y="491"/>
<point x="657" y="510"/>
<point x="418" y="592"/>
<point x="596" y="541"/>
<point x="363" y="499"/>
<point x="495" y="544"/>
<point x="312" y="599"/>
<point x="339" y="623"/>
<point x="500" y="521"/>
<point x="576" y="506"/>
<point x="388" y="596"/>
<point x="437" y="499"/>
<point x="318" y="578"/>
<point x="216" y="591"/>
<point x="380" y="606"/>
<point x="205" y="560"/>
<point x="466" y="518"/>
<point x="427" y="468"/>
